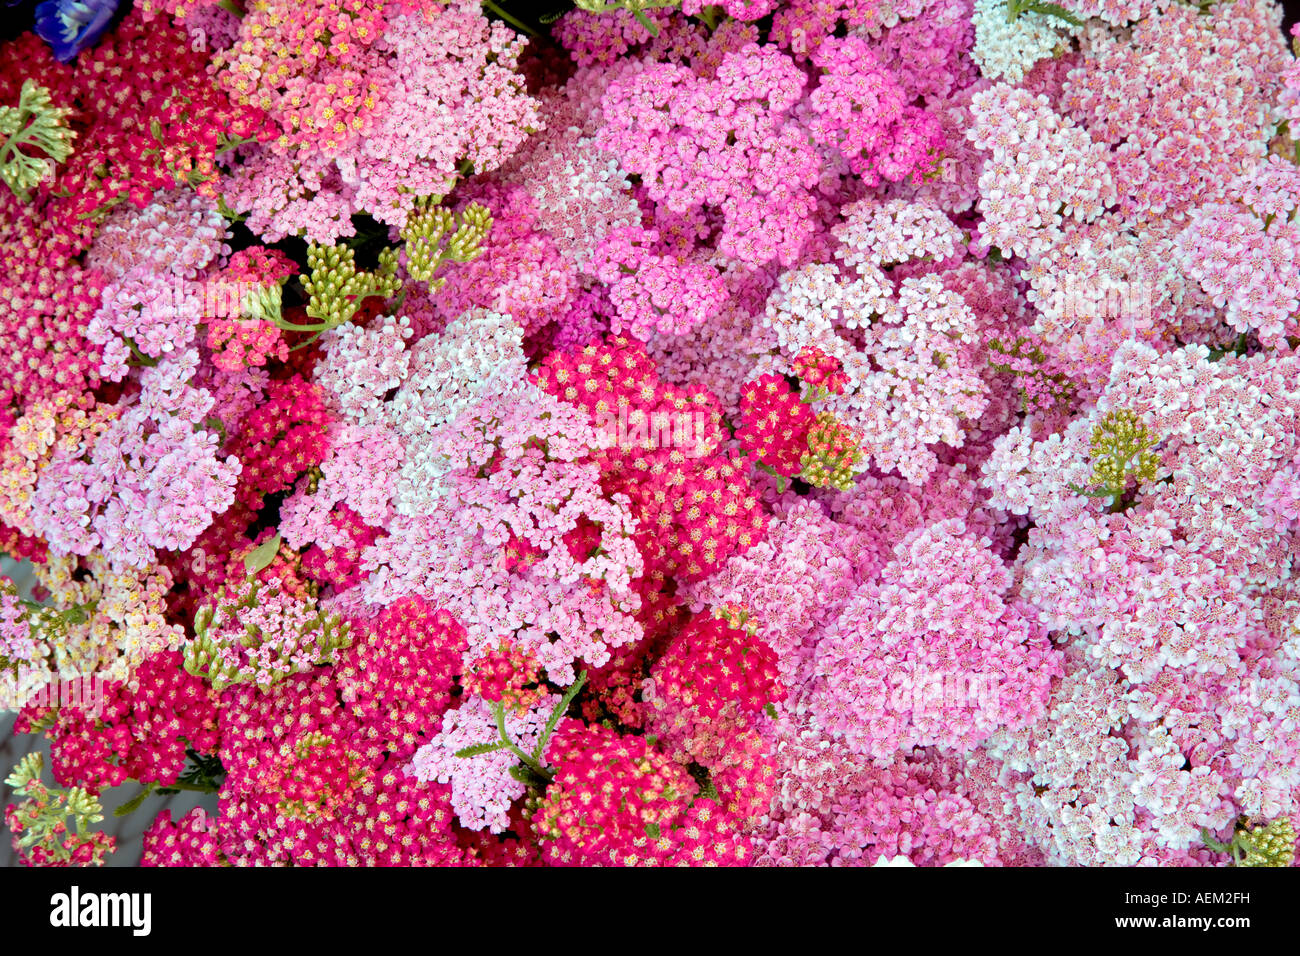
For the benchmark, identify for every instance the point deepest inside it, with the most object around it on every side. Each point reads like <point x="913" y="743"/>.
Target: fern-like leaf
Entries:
<point x="478" y="750"/>
<point x="1056" y="10"/>
<point x="557" y="713"/>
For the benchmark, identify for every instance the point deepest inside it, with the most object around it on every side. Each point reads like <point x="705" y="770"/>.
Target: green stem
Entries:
<point x="195" y="787"/>
<point x="558" y="714"/>
<point x="140" y="357"/>
<point x="134" y="803"/>
<point x="287" y="326"/>
<point x="499" y="711"/>
<point x="517" y="24"/>
<point x="646" y="22"/>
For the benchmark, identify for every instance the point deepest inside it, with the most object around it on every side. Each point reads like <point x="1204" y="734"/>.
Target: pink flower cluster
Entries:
<point x="376" y="104"/>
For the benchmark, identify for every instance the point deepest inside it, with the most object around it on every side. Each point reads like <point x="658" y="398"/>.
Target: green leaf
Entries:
<point x="652" y="830"/>
<point x="557" y="713"/>
<point x="478" y="750"/>
<point x="229" y="213"/>
<point x="261" y="556"/>
<point x="1214" y="844"/>
<point x="529" y="777"/>
<point x="1056" y="10"/>
<point x="133" y="804"/>
<point x="771" y="710"/>
<point x="1090" y="492"/>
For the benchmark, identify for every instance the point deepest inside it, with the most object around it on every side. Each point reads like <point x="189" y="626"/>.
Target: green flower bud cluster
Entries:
<point x="42" y="833"/>
<point x="35" y="122"/>
<point x="254" y="633"/>
<point x="428" y="227"/>
<point x="336" y="289"/>
<point x="265" y="303"/>
<point x="1270" y="845"/>
<point x="52" y="634"/>
<point x="738" y="617"/>
<point x="833" y="456"/>
<point x="1121" y="450"/>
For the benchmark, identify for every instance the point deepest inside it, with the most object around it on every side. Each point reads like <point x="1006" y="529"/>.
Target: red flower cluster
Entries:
<point x="280" y="439"/>
<point x="774" y="423"/>
<point x="115" y="734"/>
<point x="694" y="504"/>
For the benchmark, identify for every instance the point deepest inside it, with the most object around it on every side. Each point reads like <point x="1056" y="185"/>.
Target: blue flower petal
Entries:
<point x="69" y="26"/>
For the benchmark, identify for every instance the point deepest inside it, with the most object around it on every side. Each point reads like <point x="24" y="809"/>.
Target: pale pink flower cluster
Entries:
<point x="1247" y="256"/>
<point x="151" y="480"/>
<point x="441" y="87"/>
<point x="1041" y="168"/>
<point x="933" y="654"/>
<point x="884" y="234"/>
<point x="482" y="788"/>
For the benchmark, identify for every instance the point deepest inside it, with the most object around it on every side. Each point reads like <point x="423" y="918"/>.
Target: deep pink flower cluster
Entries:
<point x="120" y="733"/>
<point x="397" y="676"/>
<point x="774" y="424"/>
<point x="281" y="438"/>
<point x="694" y="506"/>
<point x="238" y="341"/>
<point x="710" y="666"/>
<point x="615" y="800"/>
<point x="505" y="674"/>
<point x="860" y="109"/>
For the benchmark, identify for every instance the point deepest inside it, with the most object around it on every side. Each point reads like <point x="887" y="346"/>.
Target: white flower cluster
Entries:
<point x="808" y="300"/>
<point x="1042" y="167"/>
<point x="1023" y="475"/>
<point x="1078" y="803"/>
<point x="887" y="233"/>
<point x="918" y="386"/>
<point x="582" y="194"/>
<point x="362" y="364"/>
<point x="479" y="355"/>
<point x="1007" y="50"/>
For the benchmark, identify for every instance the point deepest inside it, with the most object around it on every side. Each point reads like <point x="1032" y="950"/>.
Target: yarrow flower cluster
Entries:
<point x="834" y="432"/>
